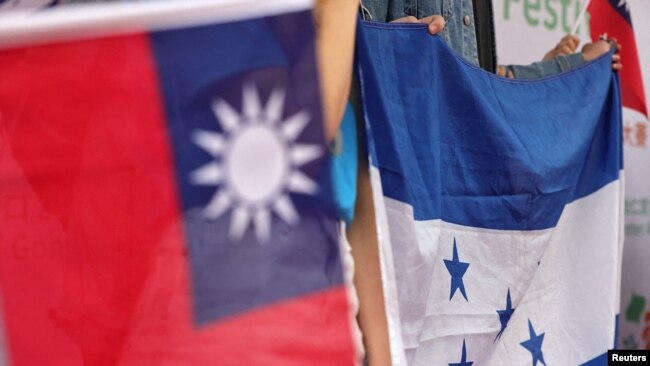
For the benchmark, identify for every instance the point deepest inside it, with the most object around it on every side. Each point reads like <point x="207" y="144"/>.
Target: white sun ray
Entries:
<point x="211" y="142"/>
<point x="285" y="209"/>
<point x="302" y="154"/>
<point x="252" y="106"/>
<point x="262" y="221"/>
<point x="300" y="183"/>
<point x="228" y="118"/>
<point x="275" y="105"/>
<point x="219" y="204"/>
<point x="210" y="174"/>
<point x="240" y="220"/>
<point x="293" y="126"/>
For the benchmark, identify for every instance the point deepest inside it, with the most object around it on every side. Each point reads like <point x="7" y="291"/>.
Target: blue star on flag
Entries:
<point x="463" y="358"/>
<point x="534" y="345"/>
<point x="457" y="270"/>
<point x="504" y="315"/>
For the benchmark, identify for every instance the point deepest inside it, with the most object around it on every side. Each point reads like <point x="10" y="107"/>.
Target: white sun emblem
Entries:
<point x="256" y="163"/>
<point x="624" y="3"/>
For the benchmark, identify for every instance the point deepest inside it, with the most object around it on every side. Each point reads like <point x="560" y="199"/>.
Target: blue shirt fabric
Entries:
<point x="344" y="162"/>
<point x="459" y="36"/>
<point x="459" y="33"/>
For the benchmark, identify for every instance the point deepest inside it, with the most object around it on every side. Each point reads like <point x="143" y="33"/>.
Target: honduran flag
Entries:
<point x="612" y="17"/>
<point x="164" y="191"/>
<point x="498" y="201"/>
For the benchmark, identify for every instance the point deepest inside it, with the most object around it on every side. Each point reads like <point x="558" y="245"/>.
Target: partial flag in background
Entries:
<point x="499" y="205"/>
<point x="612" y="17"/>
<point x="166" y="193"/>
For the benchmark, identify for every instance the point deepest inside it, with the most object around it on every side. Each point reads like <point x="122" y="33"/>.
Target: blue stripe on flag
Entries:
<point x="615" y="346"/>
<point x="598" y="361"/>
<point x="499" y="160"/>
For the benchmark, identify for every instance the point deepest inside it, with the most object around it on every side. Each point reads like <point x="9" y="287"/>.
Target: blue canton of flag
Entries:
<point x="245" y="121"/>
<point x="623" y="8"/>
<point x="498" y="203"/>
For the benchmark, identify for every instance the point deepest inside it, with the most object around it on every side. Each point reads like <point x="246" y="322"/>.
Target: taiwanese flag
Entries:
<point x="612" y="17"/>
<point x="164" y="195"/>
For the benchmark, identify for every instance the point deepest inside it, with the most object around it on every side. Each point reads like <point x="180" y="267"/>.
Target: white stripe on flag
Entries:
<point x="576" y="293"/>
<point x="95" y="20"/>
<point x="571" y="296"/>
<point x="387" y="273"/>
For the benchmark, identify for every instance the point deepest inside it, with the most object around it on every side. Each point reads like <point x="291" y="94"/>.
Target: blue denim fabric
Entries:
<point x="544" y="68"/>
<point x="460" y="37"/>
<point x="344" y="162"/>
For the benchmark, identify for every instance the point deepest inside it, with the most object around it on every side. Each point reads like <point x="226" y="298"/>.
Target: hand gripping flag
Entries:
<point x="499" y="204"/>
<point x="164" y="194"/>
<point x="612" y="17"/>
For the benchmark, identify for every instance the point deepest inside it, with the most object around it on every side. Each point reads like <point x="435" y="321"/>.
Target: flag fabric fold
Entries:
<point x="166" y="197"/>
<point x="499" y="204"/>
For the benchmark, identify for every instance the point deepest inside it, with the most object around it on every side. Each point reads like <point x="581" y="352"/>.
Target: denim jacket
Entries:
<point x="459" y="32"/>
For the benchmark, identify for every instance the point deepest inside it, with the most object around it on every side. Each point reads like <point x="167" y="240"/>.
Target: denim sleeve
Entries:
<point x="545" y="68"/>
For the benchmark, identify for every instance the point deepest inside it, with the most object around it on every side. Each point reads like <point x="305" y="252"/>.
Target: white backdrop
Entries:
<point x="526" y="30"/>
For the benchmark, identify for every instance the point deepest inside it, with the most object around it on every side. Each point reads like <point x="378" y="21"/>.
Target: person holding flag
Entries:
<point x="468" y="28"/>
